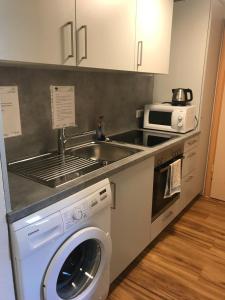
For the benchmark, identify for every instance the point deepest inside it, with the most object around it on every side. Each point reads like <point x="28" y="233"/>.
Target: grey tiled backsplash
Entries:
<point x="116" y="95"/>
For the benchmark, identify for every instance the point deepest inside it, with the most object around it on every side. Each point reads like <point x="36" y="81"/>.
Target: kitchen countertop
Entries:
<point x="28" y="196"/>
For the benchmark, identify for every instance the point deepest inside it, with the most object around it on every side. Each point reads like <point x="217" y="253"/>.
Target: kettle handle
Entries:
<point x="189" y="91"/>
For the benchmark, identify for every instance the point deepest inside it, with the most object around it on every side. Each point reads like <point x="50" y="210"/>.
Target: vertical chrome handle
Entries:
<point x="71" y="37"/>
<point x="113" y="186"/>
<point x="85" y="41"/>
<point x="79" y="60"/>
<point x="139" y="53"/>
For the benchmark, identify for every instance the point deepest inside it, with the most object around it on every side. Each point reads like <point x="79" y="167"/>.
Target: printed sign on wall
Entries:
<point x="63" y="106"/>
<point x="9" y="102"/>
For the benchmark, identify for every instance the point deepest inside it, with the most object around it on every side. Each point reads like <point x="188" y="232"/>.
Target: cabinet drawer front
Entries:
<point x="163" y="220"/>
<point x="191" y="143"/>
<point x="189" y="162"/>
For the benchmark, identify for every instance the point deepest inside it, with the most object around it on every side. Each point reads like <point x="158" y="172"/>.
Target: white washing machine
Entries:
<point x="64" y="250"/>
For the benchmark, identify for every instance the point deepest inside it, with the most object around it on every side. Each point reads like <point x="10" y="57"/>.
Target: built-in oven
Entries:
<point x="163" y="161"/>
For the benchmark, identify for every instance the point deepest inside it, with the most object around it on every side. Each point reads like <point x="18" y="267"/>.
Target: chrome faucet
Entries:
<point x="61" y="141"/>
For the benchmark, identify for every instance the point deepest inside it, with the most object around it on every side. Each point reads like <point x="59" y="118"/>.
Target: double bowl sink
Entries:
<point x="54" y="169"/>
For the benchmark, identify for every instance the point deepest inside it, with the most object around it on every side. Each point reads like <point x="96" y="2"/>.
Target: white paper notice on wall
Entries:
<point x="63" y="106"/>
<point x="9" y="101"/>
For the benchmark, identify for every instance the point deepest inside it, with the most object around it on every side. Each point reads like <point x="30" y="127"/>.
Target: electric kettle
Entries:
<point x="181" y="97"/>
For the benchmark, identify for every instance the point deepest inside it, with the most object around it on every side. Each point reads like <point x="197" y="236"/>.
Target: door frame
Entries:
<point x="219" y="91"/>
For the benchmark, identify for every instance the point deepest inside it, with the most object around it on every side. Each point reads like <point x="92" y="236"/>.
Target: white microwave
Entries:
<point x="166" y="117"/>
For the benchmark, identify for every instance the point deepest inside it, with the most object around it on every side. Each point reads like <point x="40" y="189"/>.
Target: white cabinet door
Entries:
<point x="131" y="214"/>
<point x="106" y="33"/>
<point x="37" y="31"/>
<point x="153" y="35"/>
<point x="6" y="282"/>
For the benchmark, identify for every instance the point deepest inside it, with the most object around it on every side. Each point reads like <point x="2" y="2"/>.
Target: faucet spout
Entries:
<point x="61" y="141"/>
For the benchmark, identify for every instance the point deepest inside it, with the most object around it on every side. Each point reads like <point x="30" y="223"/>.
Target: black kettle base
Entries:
<point x="179" y="103"/>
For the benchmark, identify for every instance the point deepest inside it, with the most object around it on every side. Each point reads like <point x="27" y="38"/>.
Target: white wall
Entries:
<point x="188" y="46"/>
<point x="196" y="38"/>
<point x="210" y="76"/>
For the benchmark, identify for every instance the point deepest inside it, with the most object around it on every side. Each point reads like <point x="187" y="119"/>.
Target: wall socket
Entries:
<point x="139" y="113"/>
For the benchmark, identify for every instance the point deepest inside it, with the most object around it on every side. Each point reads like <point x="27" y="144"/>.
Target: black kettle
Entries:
<point x="181" y="97"/>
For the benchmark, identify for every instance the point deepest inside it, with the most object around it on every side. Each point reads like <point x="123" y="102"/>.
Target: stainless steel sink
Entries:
<point x="104" y="153"/>
<point x="54" y="169"/>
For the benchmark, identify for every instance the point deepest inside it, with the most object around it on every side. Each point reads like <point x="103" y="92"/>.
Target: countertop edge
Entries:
<point x="98" y="175"/>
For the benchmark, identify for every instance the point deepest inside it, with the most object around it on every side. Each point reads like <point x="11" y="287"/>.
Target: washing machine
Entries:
<point x="63" y="251"/>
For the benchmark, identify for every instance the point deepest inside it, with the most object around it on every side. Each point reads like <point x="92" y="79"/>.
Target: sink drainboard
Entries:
<point x="53" y="169"/>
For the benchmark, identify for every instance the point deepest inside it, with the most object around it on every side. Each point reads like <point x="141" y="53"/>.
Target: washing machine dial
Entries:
<point x="77" y="214"/>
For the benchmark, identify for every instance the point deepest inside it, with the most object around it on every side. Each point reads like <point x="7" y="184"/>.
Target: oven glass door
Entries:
<point x="160" y="203"/>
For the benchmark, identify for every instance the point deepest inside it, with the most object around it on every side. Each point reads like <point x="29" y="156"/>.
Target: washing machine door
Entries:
<point x="75" y="269"/>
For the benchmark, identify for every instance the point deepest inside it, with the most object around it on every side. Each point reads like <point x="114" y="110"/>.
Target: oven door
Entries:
<point x="161" y="203"/>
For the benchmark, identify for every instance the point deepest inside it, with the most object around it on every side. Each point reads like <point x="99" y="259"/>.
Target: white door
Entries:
<point x="78" y="265"/>
<point x="106" y="33"/>
<point x="218" y="178"/>
<point x="131" y="213"/>
<point x="37" y="31"/>
<point x="153" y="35"/>
<point x="6" y="281"/>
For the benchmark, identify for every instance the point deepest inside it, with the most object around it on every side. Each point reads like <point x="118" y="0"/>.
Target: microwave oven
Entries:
<point x="166" y="117"/>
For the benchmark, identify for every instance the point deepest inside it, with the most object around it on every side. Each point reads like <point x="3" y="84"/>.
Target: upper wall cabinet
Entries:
<point x="130" y="35"/>
<point x="105" y="34"/>
<point x="38" y="31"/>
<point x="153" y="35"/>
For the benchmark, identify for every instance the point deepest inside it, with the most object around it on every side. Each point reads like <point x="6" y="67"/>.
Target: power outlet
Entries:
<point x="139" y="113"/>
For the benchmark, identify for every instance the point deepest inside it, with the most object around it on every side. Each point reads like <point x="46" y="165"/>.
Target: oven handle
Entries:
<point x="162" y="170"/>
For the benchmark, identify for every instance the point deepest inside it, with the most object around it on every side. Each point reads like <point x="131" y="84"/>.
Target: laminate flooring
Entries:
<point x="187" y="261"/>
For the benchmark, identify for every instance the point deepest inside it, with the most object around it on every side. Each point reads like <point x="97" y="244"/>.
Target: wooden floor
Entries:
<point x="187" y="262"/>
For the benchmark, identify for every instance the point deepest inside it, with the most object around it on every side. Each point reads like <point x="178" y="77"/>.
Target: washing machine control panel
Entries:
<point x="73" y="215"/>
<point x="83" y="209"/>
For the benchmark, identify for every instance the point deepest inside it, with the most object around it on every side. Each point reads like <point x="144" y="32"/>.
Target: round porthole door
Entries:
<point x="77" y="265"/>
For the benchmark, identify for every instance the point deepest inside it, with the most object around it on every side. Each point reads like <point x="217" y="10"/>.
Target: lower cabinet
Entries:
<point x="189" y="190"/>
<point x="191" y="183"/>
<point x="131" y="213"/>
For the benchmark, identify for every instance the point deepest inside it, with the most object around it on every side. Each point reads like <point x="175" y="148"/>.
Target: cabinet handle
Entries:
<point x="113" y="185"/>
<point x="191" y="155"/>
<point x="139" y="53"/>
<point x="79" y="60"/>
<point x="71" y="39"/>
<point x="192" y="142"/>
<point x="189" y="178"/>
<point x="170" y="213"/>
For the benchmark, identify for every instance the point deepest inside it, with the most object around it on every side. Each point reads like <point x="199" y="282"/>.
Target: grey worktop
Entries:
<point x="28" y="196"/>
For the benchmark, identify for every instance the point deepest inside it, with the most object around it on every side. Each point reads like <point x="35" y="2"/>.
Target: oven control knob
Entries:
<point x="77" y="214"/>
<point x="180" y="124"/>
<point x="180" y="118"/>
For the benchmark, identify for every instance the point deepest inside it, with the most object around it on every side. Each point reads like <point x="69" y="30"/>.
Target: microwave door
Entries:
<point x="160" y="118"/>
